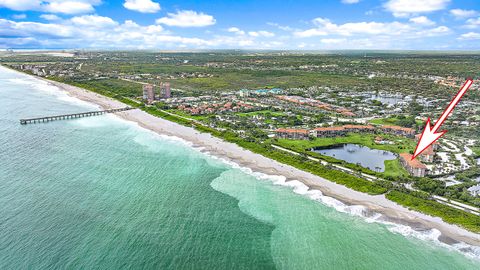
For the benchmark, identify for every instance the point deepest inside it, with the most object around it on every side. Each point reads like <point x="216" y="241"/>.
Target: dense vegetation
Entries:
<point x="448" y="214"/>
<point x="233" y="70"/>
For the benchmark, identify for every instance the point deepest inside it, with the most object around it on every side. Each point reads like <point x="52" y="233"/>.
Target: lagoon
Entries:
<point x="372" y="159"/>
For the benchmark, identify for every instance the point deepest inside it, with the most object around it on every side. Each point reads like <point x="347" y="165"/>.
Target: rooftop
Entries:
<point x="286" y="130"/>
<point x="412" y="163"/>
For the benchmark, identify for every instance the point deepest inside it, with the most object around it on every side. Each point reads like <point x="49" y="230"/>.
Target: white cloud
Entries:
<point x="30" y="29"/>
<point x="53" y="6"/>
<point x="50" y="17"/>
<point x="333" y="40"/>
<point x="236" y="30"/>
<point x="143" y="6"/>
<point x="326" y="27"/>
<point x="350" y="1"/>
<point x="310" y="33"/>
<point x="69" y="7"/>
<point x="437" y="31"/>
<point x="93" y="21"/>
<point x="402" y="8"/>
<point x="281" y="27"/>
<point x="463" y="13"/>
<point x="20" y="5"/>
<point x="387" y="32"/>
<point x="93" y="31"/>
<point x="470" y="36"/>
<point x="261" y="34"/>
<point x="187" y="18"/>
<point x="19" y="16"/>
<point x="473" y="23"/>
<point x="422" y="20"/>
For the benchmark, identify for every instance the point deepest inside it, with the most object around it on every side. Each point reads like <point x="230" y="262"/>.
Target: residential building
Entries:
<point x="148" y="93"/>
<point x="396" y="130"/>
<point x="428" y="154"/>
<point x="165" y="91"/>
<point x="359" y="128"/>
<point x="414" y="167"/>
<point x="295" y="134"/>
<point x="329" y="132"/>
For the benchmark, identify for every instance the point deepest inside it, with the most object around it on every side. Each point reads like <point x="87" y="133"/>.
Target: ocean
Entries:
<point x="103" y="193"/>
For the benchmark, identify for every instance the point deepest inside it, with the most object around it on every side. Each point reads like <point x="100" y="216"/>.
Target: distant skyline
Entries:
<point x="241" y="24"/>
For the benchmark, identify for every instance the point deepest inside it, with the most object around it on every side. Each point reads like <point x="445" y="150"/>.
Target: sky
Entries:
<point x="241" y="24"/>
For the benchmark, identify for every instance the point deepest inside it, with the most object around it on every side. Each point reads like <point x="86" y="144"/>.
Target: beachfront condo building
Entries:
<point x="414" y="167"/>
<point x="165" y="91"/>
<point x="148" y="93"/>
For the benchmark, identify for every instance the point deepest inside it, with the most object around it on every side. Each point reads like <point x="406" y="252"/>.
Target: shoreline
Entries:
<point x="390" y="211"/>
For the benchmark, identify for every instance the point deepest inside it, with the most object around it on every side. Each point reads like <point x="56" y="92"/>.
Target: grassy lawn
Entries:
<point x="402" y="145"/>
<point x="476" y="150"/>
<point x="393" y="168"/>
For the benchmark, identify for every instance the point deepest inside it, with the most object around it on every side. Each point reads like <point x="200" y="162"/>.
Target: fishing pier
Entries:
<point x="70" y="116"/>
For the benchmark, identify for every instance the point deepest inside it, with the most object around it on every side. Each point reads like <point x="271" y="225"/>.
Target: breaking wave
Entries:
<point x="430" y="235"/>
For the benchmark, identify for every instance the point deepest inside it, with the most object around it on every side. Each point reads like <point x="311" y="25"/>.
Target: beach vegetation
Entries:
<point x="417" y="202"/>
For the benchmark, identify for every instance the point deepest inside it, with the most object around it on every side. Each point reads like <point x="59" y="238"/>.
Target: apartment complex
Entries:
<point x="149" y="93"/>
<point x="337" y="131"/>
<point x="396" y="130"/>
<point x="414" y="167"/>
<point x="165" y="91"/>
<point x="296" y="134"/>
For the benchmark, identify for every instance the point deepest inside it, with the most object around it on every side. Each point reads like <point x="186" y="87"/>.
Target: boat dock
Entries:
<point x="70" y="116"/>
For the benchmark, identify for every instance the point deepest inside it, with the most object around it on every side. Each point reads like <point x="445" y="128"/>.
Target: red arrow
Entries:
<point x="430" y="135"/>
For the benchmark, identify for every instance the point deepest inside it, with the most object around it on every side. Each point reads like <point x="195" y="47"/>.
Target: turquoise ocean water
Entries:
<point x="102" y="193"/>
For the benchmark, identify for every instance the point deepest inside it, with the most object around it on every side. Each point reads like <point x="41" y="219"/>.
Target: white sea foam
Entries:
<point x="431" y="236"/>
<point x="52" y="90"/>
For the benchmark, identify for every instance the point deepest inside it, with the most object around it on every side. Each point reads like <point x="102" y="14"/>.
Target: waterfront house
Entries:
<point x="414" y="167"/>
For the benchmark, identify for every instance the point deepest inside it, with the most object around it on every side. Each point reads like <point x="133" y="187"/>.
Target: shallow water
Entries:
<point x="103" y="193"/>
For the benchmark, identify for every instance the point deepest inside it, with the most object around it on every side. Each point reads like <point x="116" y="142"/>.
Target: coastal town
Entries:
<point x="369" y="131"/>
<point x="326" y="135"/>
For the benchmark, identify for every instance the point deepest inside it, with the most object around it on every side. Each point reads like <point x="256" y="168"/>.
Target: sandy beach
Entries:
<point x="258" y="163"/>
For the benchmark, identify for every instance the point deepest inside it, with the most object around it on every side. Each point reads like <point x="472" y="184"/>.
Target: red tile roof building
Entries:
<point x="329" y="132"/>
<point x="428" y="154"/>
<point x="414" y="167"/>
<point x="396" y="130"/>
<point x="296" y="134"/>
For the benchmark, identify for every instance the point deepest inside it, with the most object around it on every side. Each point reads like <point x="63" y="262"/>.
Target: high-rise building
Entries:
<point x="165" y="91"/>
<point x="148" y="93"/>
